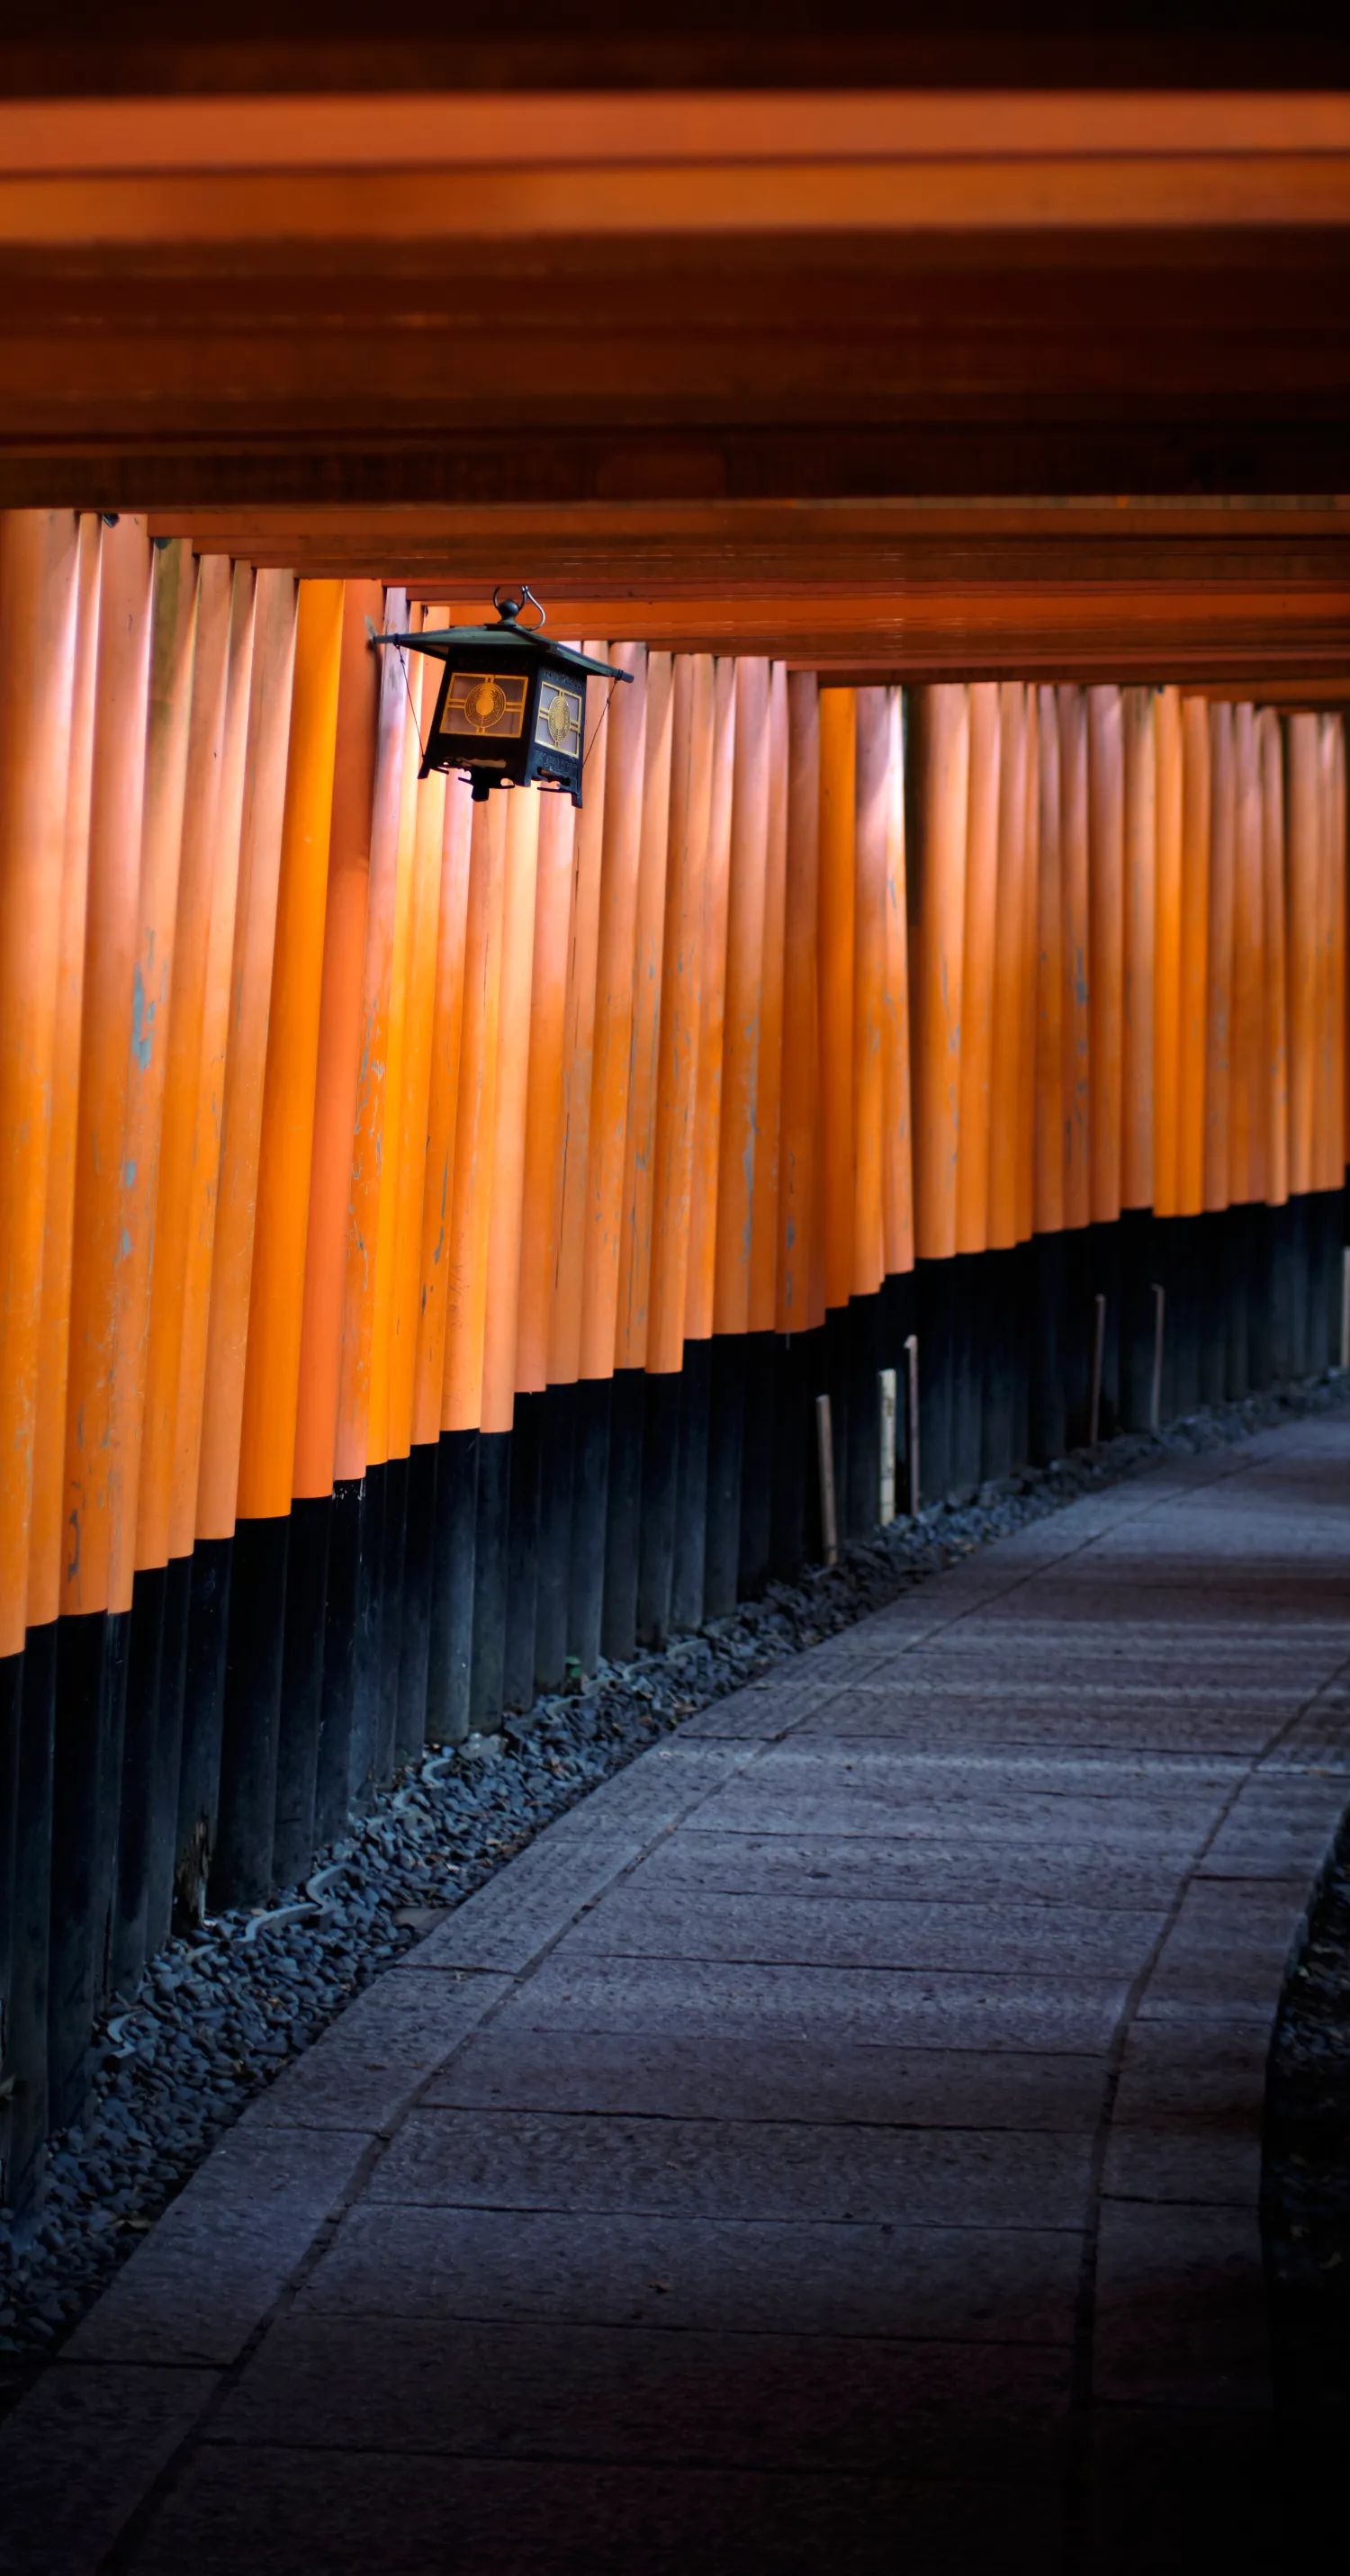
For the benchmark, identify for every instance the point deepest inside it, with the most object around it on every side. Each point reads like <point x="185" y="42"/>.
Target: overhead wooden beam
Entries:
<point x="579" y="298"/>
<point x="746" y="548"/>
<point x="284" y="45"/>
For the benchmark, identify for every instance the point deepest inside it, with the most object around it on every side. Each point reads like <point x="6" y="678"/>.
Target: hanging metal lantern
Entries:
<point x="511" y="711"/>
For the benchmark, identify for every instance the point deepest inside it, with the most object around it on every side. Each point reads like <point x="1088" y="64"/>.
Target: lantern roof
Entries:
<point x="447" y="643"/>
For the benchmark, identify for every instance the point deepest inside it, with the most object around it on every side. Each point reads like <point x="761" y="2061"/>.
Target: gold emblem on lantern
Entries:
<point x="479" y="702"/>
<point x="559" y="721"/>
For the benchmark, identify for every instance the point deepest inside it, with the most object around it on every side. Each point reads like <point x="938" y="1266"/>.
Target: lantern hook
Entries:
<point x="508" y="607"/>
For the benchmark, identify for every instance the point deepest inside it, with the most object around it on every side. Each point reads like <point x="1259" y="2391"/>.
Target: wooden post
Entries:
<point x="912" y="1443"/>
<point x="829" y="1519"/>
<point x="886" y="1401"/>
<point x="1098" y="1352"/>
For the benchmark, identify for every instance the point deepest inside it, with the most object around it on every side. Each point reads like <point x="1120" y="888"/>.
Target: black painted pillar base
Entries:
<point x="294" y="1829"/>
<point x="26" y="2007"/>
<point x="241" y="1869"/>
<point x="1212" y="1276"/>
<point x="209" y="1586"/>
<point x="862" y="1493"/>
<point x="1324" y="1304"/>
<point x="836" y="1356"/>
<point x="757" y="1454"/>
<point x="79" y="1766"/>
<point x="934" y="1305"/>
<point x="623" y="1515"/>
<point x="899" y="1307"/>
<point x="1283" y="1334"/>
<point x="1136" y="1271"/>
<point x="11" y="1719"/>
<point x="489" y="1581"/>
<point x="418" y="1550"/>
<point x="140" y="1744"/>
<point x="726" y="1432"/>
<point x="691" y="1491"/>
<point x="1108" y="1282"/>
<point x="168" y="1752"/>
<point x="788" y="1515"/>
<point x="368" y="1644"/>
<point x="1047" y="1427"/>
<point x="590" y="1508"/>
<point x="1237" y="1229"/>
<point x="1260" y="1336"/>
<point x="966" y="1363"/>
<point x="522" y="1549"/>
<point x="553" y="1582"/>
<point x="660" y="1482"/>
<point x="333" y="1780"/>
<point x="1077" y="1325"/>
<point x="452" y="1588"/>
<point x="391" y="1614"/>
<point x="998" y="1289"/>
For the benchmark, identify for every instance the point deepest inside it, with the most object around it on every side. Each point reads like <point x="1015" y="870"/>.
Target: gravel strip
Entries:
<point x="226" y="2005"/>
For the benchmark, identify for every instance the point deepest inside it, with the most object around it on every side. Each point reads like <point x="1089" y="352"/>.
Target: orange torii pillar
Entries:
<point x="738" y="1175"/>
<point x="874" y="751"/>
<point x="1275" y="1063"/>
<point x="1138" y="1323"/>
<point x="204" y="975"/>
<point x="763" y="1403"/>
<point x="40" y="602"/>
<point x="689" y="1564"/>
<point x="177" y="1283"/>
<point x="1075" y="1323"/>
<point x="691" y="743"/>
<point x="970" y="1278"/>
<point x="142" y="1543"/>
<point x="938" y="801"/>
<point x="630" y="1452"/>
<point x="798" y="1281"/>
<point x="561" y="1327"/>
<point x="91" y="1667"/>
<point x="321" y="1568"/>
<point x="542" y="1432"/>
<point x="1249" y="1355"/>
<point x="240" y="1083"/>
<point x="27" y="1983"/>
<point x="1101" y="1326"/>
<point x="352" y="1626"/>
<point x="242" y="1863"/>
<point x="1005" y="1315"/>
<point x="624" y="727"/>
<point x="403" y="1728"/>
<point x="835" y="935"/>
<point x="1217" y="1238"/>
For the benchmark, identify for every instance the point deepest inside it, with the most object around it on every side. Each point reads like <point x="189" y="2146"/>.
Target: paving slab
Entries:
<point x="273" y="2510"/>
<point x="833" y="2144"/>
<point x="742" y="2401"/>
<point x="925" y="2008"/>
<point x="446" y="2158"/>
<point x="735" y="2276"/>
<point x="823" y="1930"/>
<point x="805" y="2081"/>
<point x="94" y="2440"/>
<point x="886" y="1867"/>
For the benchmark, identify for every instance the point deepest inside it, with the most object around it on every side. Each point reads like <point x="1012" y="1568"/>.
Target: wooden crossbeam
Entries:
<point x="647" y="296"/>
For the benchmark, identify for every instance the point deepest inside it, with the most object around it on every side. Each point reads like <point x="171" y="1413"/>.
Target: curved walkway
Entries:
<point x="834" y="2146"/>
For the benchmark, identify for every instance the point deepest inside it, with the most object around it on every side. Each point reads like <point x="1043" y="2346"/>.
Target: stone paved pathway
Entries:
<point x="834" y="2146"/>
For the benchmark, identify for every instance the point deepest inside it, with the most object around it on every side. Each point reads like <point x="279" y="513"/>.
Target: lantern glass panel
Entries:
<point x="485" y="702"/>
<point x="558" y="723"/>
